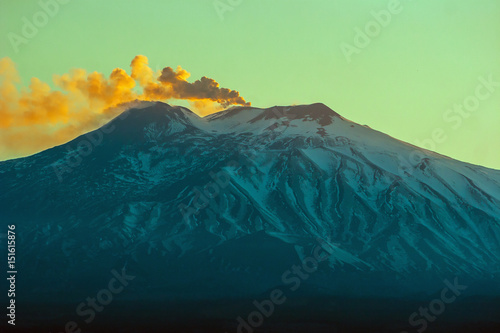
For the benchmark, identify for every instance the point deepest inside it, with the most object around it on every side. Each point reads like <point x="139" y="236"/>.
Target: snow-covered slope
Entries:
<point x="222" y="205"/>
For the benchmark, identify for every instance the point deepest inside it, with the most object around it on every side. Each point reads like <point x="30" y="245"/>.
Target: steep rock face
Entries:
<point x="224" y="205"/>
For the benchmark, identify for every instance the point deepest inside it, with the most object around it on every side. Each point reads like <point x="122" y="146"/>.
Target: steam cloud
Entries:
<point x="38" y="117"/>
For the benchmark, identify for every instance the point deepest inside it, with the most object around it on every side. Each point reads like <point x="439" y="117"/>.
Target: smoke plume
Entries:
<point x="38" y="117"/>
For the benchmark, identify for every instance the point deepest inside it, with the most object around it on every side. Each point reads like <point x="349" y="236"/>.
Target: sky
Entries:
<point x="423" y="71"/>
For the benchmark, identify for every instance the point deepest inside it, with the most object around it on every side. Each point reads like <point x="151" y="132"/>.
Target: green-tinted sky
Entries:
<point x="429" y="57"/>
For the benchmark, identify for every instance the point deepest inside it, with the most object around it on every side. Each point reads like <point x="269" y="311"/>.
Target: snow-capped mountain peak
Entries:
<point x="165" y="188"/>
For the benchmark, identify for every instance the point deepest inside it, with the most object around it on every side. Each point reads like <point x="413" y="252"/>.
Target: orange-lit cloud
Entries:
<point x="173" y="84"/>
<point x="205" y="88"/>
<point x="206" y="107"/>
<point x="36" y="117"/>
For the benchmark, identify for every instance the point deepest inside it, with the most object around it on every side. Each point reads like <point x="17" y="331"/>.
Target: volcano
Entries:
<point x="216" y="216"/>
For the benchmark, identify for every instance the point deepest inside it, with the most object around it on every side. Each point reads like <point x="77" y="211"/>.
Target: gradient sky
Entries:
<point x="429" y="57"/>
